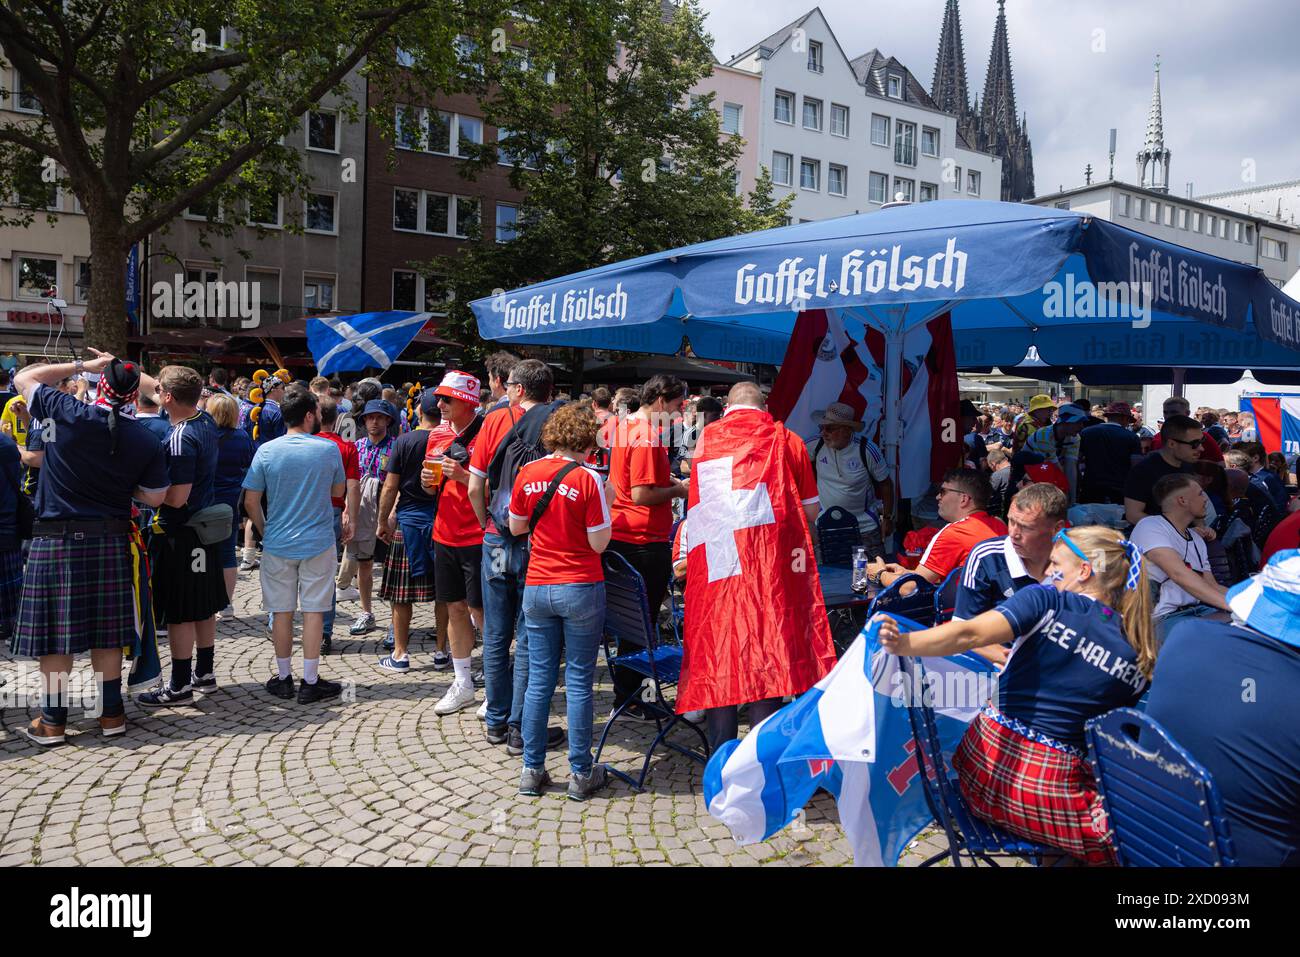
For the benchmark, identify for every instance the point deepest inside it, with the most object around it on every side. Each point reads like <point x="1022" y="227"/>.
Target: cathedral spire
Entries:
<point x="999" y="88"/>
<point x="1154" y="154"/>
<point x="949" y="87"/>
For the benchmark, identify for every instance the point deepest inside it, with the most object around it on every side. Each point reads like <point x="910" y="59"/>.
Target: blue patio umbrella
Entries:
<point x="1012" y="276"/>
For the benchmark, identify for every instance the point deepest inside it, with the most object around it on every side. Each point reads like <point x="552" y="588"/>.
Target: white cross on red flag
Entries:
<point x="755" y="619"/>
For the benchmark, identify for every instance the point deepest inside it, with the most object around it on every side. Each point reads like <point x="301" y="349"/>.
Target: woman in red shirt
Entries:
<point x="564" y="592"/>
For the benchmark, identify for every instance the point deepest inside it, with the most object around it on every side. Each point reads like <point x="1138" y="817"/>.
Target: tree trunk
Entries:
<point x="106" y="321"/>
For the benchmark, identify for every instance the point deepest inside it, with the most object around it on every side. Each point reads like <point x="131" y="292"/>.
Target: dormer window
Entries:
<point x="815" y="56"/>
<point x="895" y="86"/>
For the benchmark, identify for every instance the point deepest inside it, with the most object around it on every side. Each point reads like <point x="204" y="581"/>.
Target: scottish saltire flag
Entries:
<point x="364" y="341"/>
<point x="850" y="735"/>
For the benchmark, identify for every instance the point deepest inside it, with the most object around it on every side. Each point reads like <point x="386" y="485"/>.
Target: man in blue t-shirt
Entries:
<point x="998" y="568"/>
<point x="1230" y="695"/>
<point x="302" y="475"/>
<point x="188" y="585"/>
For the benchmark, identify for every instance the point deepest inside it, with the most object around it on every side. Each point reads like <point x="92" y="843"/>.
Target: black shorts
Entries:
<point x="456" y="573"/>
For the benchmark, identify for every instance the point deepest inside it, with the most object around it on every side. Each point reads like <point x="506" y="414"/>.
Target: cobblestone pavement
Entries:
<point x="242" y="778"/>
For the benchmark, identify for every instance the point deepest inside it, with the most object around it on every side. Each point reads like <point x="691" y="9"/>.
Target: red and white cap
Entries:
<point x="459" y="385"/>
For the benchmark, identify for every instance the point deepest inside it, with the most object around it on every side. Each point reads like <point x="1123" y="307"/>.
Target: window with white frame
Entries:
<point x="929" y="192"/>
<point x="205" y="208"/>
<point x="784" y="108"/>
<point x="436" y="294"/>
<point x="322" y="213"/>
<point x="439" y="127"/>
<point x="466" y="55"/>
<point x="731" y="115"/>
<point x="735" y="182"/>
<point x="410" y="128"/>
<point x="1236" y="232"/>
<point x="812" y="114"/>
<point x="904" y="143"/>
<point x="879" y="130"/>
<point x="34" y="275"/>
<point x="323" y="131"/>
<point x="318" y="293"/>
<point x="956" y="179"/>
<point x="782" y="169"/>
<point x="894" y="86"/>
<point x="34" y="192"/>
<point x="1122" y="205"/>
<point x="972" y="182"/>
<point x="266" y="209"/>
<point x="1223" y="227"/>
<point x="810" y="174"/>
<point x="837" y="179"/>
<point x="878" y="188"/>
<point x="1250" y="234"/>
<point x="839" y="120"/>
<point x="1062" y="204"/>
<point x="24" y="100"/>
<point x="1272" y="249"/>
<point x="468" y="221"/>
<point x="469" y="130"/>
<point x="815" y="56"/>
<point x="437" y="214"/>
<point x="507" y="222"/>
<point x="904" y="189"/>
<point x="267" y="291"/>
<point x="1139" y="207"/>
<point x="406" y="209"/>
<point x="1196" y="221"/>
<point x="1154" y="211"/>
<point x="508" y="156"/>
<point x="929" y="141"/>
<point x="1182" y="217"/>
<point x="404" y="289"/>
<point x="81" y="284"/>
<point x="202" y="273"/>
<point x="1169" y="214"/>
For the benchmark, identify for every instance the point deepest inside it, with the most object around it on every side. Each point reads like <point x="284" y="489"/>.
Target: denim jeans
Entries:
<point x="505" y="562"/>
<point x="338" y="540"/>
<point x="574" y="615"/>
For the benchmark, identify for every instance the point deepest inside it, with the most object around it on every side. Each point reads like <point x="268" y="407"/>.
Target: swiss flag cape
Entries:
<point x="824" y="364"/>
<point x="755" y="618"/>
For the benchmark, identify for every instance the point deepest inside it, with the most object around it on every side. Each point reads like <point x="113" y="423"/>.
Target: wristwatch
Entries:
<point x="78" y="367"/>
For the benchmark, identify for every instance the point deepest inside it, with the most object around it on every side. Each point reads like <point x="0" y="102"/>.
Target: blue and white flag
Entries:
<point x="850" y="735"/>
<point x="364" y="341"/>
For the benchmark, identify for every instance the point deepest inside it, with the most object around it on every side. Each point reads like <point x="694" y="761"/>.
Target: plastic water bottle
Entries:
<point x="859" y="569"/>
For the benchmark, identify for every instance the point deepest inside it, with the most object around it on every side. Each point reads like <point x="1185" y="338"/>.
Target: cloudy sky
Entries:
<point x="1228" y="75"/>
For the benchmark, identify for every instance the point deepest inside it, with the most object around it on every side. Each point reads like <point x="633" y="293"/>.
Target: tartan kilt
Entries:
<point x="397" y="584"/>
<point x="11" y="588"/>
<point x="78" y="594"/>
<point x="1033" y="790"/>
<point x="181" y="594"/>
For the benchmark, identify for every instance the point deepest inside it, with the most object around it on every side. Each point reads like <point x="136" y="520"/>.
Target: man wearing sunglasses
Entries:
<point x="963" y="497"/>
<point x="1181" y="447"/>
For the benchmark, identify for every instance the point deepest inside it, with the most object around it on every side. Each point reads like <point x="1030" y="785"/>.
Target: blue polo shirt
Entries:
<point x="1271" y="484"/>
<point x="1231" y="697"/>
<point x="1069" y="663"/>
<point x="191" y="460"/>
<point x="80" y="479"/>
<point x="994" y="572"/>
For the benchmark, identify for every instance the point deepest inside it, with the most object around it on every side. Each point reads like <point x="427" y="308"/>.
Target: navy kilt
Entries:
<point x="78" y="594"/>
<point x="11" y="588"/>
<point x="187" y="586"/>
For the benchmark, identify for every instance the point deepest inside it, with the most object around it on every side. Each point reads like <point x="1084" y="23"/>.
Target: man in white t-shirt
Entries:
<point x="1176" y="556"/>
<point x="851" y="473"/>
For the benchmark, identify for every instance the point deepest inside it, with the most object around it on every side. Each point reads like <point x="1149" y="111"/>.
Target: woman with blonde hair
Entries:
<point x="1084" y="644"/>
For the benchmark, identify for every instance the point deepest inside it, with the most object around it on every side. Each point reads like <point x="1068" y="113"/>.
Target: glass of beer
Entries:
<point x="434" y="464"/>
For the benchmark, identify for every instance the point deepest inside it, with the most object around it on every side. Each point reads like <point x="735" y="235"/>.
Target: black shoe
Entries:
<point x="204" y="682"/>
<point x="477" y="678"/>
<point x="583" y="786"/>
<point x="320" y="691"/>
<point x="326" y="645"/>
<point x="280" y="687"/>
<point x="555" y="736"/>
<point x="165" y="696"/>
<point x="497" y="735"/>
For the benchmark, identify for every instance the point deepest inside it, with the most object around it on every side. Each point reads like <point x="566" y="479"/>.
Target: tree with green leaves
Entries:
<point x="150" y="107"/>
<point x="593" y="103"/>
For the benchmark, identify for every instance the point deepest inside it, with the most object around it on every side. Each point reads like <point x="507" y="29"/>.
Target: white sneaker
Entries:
<point x="227" y="612"/>
<point x="481" y="713"/>
<point x="347" y="594"/>
<point x="458" y="697"/>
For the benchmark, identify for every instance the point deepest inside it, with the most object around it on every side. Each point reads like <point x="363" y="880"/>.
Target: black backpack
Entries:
<point x="521" y="445"/>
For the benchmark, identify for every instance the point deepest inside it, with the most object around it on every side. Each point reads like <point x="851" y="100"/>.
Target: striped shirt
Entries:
<point x="993" y="573"/>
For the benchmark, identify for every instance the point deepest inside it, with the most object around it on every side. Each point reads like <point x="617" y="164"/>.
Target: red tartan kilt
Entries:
<point x="1032" y="790"/>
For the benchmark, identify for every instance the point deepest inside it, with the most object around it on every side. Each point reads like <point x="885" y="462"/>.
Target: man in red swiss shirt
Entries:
<point x="457" y="535"/>
<point x="963" y="496"/>
<point x="345" y="509"/>
<point x="642" y="509"/>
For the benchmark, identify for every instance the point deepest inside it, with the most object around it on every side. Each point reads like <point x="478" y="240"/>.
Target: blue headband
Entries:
<point x="1132" y="551"/>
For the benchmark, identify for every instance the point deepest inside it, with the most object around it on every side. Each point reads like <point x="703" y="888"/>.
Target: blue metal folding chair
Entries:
<point x="917" y="604"/>
<point x="1164" y="808"/>
<point x="628" y="620"/>
<point x="837" y="535"/>
<point x="945" y="597"/>
<point x="966" y="833"/>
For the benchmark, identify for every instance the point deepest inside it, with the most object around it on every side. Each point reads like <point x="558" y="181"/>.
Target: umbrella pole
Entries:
<point x="1180" y="381"/>
<point x="890" y="407"/>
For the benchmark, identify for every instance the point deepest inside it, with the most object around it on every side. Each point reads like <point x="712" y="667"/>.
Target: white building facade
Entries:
<point x="847" y="136"/>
